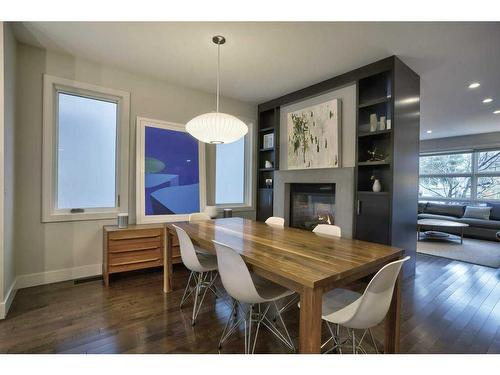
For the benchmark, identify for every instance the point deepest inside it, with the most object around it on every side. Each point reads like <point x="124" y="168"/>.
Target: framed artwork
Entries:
<point x="313" y="136"/>
<point x="170" y="172"/>
<point x="268" y="141"/>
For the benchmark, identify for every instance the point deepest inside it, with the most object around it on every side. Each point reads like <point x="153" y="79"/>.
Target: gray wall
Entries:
<point x="342" y="177"/>
<point x="347" y="95"/>
<point x="42" y="247"/>
<point x="464" y="142"/>
<point x="9" y="120"/>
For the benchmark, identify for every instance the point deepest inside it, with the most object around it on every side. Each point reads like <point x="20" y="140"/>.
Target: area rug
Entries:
<point x="485" y="253"/>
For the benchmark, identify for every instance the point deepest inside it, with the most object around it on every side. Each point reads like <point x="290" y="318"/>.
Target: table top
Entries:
<point x="294" y="254"/>
<point x="441" y="223"/>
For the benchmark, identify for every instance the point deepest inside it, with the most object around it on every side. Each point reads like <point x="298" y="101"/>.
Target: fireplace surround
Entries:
<point x="311" y="204"/>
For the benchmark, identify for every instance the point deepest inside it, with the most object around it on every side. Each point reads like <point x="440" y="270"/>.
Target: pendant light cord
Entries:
<point x="218" y="74"/>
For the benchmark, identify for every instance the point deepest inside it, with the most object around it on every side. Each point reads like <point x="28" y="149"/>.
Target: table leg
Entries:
<point x="167" y="263"/>
<point x="310" y="320"/>
<point x="392" y="321"/>
<point x="462" y="236"/>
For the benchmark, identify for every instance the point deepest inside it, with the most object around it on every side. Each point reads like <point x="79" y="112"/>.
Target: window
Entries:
<point x="233" y="172"/>
<point x="85" y="146"/>
<point x="472" y="176"/>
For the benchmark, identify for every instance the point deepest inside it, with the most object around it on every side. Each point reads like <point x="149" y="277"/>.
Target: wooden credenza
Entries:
<point x="135" y="247"/>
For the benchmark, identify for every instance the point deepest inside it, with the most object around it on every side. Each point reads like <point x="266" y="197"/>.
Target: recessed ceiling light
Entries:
<point x="429" y="131"/>
<point x="487" y="100"/>
<point x="497" y="112"/>
<point x="474" y="85"/>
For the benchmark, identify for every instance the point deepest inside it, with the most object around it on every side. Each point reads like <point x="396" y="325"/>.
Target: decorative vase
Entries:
<point x="268" y="164"/>
<point x="376" y="186"/>
<point x="382" y="123"/>
<point x="373" y="122"/>
<point x="211" y="211"/>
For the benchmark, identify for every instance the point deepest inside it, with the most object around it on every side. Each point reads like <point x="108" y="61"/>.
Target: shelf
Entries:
<point x="378" y="132"/>
<point x="263" y="130"/>
<point x="373" y="192"/>
<point x="374" y="102"/>
<point x="266" y="189"/>
<point x="373" y="163"/>
<point x="267" y="149"/>
<point x="266" y="169"/>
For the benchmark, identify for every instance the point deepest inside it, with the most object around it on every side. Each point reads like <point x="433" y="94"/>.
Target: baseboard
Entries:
<point x="49" y="277"/>
<point x="7" y="302"/>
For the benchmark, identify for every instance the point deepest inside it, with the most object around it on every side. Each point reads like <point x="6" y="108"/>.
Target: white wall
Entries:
<point x="8" y="173"/>
<point x="78" y="245"/>
<point x="464" y="142"/>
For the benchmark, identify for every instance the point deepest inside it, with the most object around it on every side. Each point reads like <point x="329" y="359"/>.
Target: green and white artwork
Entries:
<point x="313" y="136"/>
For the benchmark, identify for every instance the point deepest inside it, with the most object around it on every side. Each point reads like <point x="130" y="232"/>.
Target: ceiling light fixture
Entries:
<point x="487" y="100"/>
<point x="474" y="85"/>
<point x="429" y="131"/>
<point x="217" y="127"/>
<point x="497" y="112"/>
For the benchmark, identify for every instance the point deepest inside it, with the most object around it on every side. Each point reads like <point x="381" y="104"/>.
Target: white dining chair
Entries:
<point x="260" y="294"/>
<point x="276" y="221"/>
<point x="328" y="230"/>
<point x="199" y="216"/>
<point x="203" y="274"/>
<point x="354" y="311"/>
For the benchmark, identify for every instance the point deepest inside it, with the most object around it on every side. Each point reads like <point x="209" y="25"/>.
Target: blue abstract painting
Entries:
<point x="171" y="181"/>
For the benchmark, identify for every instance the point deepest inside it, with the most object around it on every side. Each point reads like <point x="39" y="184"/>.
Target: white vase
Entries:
<point x="376" y="186"/>
<point x="211" y="211"/>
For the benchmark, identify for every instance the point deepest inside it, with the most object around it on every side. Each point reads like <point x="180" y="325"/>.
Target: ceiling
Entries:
<point x="261" y="61"/>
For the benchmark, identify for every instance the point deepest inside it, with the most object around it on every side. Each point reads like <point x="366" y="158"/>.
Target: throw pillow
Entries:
<point x="482" y="213"/>
<point x="495" y="211"/>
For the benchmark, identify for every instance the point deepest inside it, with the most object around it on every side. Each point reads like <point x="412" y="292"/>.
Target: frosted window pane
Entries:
<point x="86" y="152"/>
<point x="230" y="173"/>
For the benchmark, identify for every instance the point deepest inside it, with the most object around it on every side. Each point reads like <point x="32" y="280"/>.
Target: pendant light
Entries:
<point x="217" y="127"/>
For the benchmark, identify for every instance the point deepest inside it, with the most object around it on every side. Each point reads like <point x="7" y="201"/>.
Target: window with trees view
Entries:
<point x="472" y="176"/>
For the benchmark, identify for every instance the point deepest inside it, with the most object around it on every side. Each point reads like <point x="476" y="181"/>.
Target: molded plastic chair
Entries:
<point x="328" y="230"/>
<point x="199" y="216"/>
<point x="276" y="221"/>
<point x="361" y="311"/>
<point x="203" y="269"/>
<point x="247" y="287"/>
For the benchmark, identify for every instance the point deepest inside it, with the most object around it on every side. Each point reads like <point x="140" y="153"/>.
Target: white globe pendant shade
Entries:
<point x="216" y="128"/>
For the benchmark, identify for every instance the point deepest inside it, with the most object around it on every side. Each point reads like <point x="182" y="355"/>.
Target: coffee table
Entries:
<point x="441" y="226"/>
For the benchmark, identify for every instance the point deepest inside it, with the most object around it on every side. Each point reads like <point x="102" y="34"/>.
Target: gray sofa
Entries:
<point x="478" y="228"/>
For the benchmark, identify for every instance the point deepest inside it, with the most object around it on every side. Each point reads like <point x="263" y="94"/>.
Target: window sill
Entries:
<point x="235" y="208"/>
<point x="86" y="216"/>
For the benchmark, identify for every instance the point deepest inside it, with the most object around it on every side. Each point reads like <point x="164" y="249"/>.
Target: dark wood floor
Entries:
<point x="448" y="307"/>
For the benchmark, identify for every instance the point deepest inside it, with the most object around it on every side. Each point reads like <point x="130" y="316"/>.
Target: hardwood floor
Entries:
<point x="448" y="307"/>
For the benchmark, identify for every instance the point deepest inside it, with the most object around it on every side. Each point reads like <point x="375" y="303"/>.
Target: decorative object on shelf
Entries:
<point x="217" y="127"/>
<point x="211" y="211"/>
<point x="373" y="122"/>
<point x="170" y="173"/>
<point x="268" y="140"/>
<point x="388" y="125"/>
<point x="122" y="220"/>
<point x="268" y="164"/>
<point x="228" y="212"/>
<point x="269" y="183"/>
<point x="382" y="123"/>
<point x="313" y="136"/>
<point x="377" y="188"/>
<point x="375" y="156"/>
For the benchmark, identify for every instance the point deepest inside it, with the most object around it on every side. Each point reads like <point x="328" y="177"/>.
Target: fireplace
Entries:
<point x="311" y="204"/>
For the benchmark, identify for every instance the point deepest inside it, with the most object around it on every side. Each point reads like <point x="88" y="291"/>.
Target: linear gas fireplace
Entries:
<point x="312" y="204"/>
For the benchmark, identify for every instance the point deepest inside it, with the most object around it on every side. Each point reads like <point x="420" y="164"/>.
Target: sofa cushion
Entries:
<point x="482" y="213"/>
<point x="495" y="211"/>
<point x="421" y="207"/>
<point x="479" y="223"/>
<point x="437" y="217"/>
<point x="456" y="210"/>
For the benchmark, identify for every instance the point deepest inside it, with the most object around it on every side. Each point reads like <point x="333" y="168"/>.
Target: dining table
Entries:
<point x="300" y="260"/>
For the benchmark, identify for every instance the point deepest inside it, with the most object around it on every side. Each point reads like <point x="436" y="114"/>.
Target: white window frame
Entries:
<point x="51" y="87"/>
<point x="248" y="162"/>
<point x="474" y="175"/>
<point x="141" y="216"/>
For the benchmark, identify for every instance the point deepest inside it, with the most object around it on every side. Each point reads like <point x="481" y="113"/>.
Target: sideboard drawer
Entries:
<point x="134" y="257"/>
<point x="126" y="245"/>
<point x="127" y="234"/>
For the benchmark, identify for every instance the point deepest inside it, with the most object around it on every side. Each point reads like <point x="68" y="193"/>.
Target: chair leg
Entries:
<point x="289" y="341"/>
<point x="188" y="291"/>
<point x="373" y="340"/>
<point x="353" y="342"/>
<point x="226" y="333"/>
<point x="196" y="296"/>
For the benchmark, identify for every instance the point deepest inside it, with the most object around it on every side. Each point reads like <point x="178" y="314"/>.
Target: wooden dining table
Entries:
<point x="302" y="261"/>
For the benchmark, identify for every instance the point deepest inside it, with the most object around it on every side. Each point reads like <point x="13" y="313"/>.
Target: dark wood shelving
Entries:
<point x="266" y="149"/>
<point x="268" y="129"/>
<point x="373" y="163"/>
<point x="373" y="192"/>
<point x="376" y="101"/>
<point x="378" y="132"/>
<point x="266" y="169"/>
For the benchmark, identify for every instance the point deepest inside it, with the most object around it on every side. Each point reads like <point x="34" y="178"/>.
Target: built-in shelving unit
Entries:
<point x="268" y="125"/>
